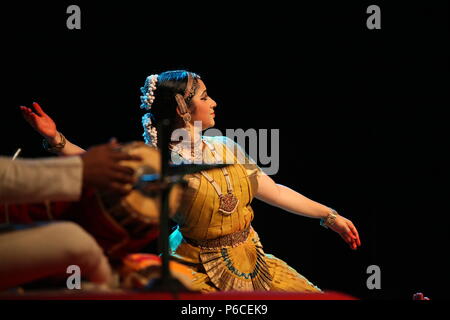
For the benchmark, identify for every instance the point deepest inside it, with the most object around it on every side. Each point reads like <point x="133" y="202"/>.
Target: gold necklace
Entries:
<point x="228" y="201"/>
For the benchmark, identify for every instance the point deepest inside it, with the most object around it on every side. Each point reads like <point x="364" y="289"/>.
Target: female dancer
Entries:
<point x="214" y="236"/>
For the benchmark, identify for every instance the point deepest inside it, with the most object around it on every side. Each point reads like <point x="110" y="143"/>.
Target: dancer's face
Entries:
<point x="203" y="107"/>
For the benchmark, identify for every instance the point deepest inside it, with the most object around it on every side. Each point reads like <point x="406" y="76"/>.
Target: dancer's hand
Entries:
<point x="347" y="231"/>
<point x="40" y="122"/>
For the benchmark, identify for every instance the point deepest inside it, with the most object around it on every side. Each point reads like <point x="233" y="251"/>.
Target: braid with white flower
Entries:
<point x="147" y="99"/>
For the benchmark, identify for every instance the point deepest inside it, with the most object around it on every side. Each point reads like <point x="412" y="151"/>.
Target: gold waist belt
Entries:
<point x="229" y="240"/>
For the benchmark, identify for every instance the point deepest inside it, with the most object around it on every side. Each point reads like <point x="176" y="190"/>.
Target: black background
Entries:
<point x="360" y="112"/>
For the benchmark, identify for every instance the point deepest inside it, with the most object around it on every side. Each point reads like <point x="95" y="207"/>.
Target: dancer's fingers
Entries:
<point x="38" y="109"/>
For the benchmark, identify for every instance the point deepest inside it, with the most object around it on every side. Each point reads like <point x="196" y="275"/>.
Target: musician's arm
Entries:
<point x="28" y="181"/>
<point x="61" y="179"/>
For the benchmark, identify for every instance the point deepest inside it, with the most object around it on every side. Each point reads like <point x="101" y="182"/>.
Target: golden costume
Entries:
<point x="223" y="250"/>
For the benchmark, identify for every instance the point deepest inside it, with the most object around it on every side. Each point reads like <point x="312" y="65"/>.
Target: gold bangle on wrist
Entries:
<point x="329" y="220"/>
<point x="57" y="147"/>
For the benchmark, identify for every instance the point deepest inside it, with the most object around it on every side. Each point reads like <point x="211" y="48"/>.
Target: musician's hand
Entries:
<point x="347" y="231"/>
<point x="40" y="122"/>
<point x="102" y="170"/>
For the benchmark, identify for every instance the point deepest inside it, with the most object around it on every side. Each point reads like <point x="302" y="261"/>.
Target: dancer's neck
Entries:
<point x="191" y="139"/>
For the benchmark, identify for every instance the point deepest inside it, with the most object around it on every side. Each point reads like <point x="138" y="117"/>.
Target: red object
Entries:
<point x="89" y="214"/>
<point x="79" y="295"/>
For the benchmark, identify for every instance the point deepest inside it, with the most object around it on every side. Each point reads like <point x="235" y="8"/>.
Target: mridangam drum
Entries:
<point x="138" y="212"/>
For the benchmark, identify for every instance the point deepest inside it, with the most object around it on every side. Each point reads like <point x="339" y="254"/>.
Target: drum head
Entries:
<point x="147" y="207"/>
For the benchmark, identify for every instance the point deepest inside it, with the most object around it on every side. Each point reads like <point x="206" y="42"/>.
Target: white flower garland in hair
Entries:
<point x="148" y="91"/>
<point x="147" y="99"/>
<point x="150" y="133"/>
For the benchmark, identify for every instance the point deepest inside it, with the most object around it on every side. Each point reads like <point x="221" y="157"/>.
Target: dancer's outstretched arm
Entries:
<point x="292" y="201"/>
<point x="46" y="127"/>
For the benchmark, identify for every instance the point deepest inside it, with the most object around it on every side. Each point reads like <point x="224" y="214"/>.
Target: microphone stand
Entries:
<point x="170" y="175"/>
<point x="166" y="283"/>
